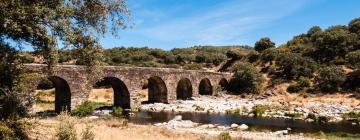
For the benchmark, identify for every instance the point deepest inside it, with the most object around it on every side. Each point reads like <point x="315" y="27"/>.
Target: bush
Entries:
<point x="252" y="57"/>
<point x="84" y="109"/>
<point x="13" y="130"/>
<point x="193" y="66"/>
<point x="269" y="55"/>
<point x="353" y="59"/>
<point x="224" y="136"/>
<point x="117" y="112"/>
<point x="330" y="78"/>
<point x="293" y="65"/>
<point x="303" y="82"/>
<point x="263" y="44"/>
<point x="246" y="78"/>
<point x="66" y="129"/>
<point x="258" y="110"/>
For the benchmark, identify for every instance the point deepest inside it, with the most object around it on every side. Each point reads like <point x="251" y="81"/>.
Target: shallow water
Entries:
<point x="273" y="124"/>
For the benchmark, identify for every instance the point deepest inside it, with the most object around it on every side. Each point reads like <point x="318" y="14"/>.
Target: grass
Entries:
<point x="109" y="129"/>
<point x="293" y="115"/>
<point x="333" y="136"/>
<point x="258" y="110"/>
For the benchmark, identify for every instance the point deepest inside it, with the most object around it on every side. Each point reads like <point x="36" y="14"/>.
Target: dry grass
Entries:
<point x="46" y="99"/>
<point x="337" y="98"/>
<point x="110" y="129"/>
<point x="104" y="95"/>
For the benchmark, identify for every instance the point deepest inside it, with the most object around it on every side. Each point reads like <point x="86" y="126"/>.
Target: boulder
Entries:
<point x="178" y="118"/>
<point x="234" y="125"/>
<point x="243" y="127"/>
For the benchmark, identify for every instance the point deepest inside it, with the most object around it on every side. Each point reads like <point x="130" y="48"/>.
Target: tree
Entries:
<point x="246" y="79"/>
<point x="269" y="55"/>
<point x="330" y="78"/>
<point x="263" y="44"/>
<point x="334" y="42"/>
<point x="313" y="30"/>
<point x="353" y="59"/>
<point x="293" y="65"/>
<point x="354" y="26"/>
<point x="76" y="23"/>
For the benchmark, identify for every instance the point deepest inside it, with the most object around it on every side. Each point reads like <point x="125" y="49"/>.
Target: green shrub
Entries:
<point x="117" y="112"/>
<point x="84" y="109"/>
<point x="353" y="59"/>
<point x="330" y="78"/>
<point x="302" y="83"/>
<point x="353" y="116"/>
<point x="193" y="66"/>
<point x="293" y="115"/>
<point x="269" y="55"/>
<point x="246" y="79"/>
<point x="237" y="111"/>
<point x="224" y="136"/>
<point x="263" y="44"/>
<point x="228" y="111"/>
<point x="258" y="110"/>
<point x="293" y="65"/>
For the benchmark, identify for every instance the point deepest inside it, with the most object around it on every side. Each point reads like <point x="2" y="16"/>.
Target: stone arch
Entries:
<point x="62" y="93"/>
<point x="184" y="89"/>
<point x="205" y="87"/>
<point x="157" y="90"/>
<point x="121" y="92"/>
<point x="224" y="83"/>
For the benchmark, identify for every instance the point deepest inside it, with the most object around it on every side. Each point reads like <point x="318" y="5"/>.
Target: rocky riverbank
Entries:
<point x="234" y="130"/>
<point x="309" y="111"/>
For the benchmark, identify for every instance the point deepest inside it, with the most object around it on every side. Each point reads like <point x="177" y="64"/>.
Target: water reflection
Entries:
<point x="272" y="124"/>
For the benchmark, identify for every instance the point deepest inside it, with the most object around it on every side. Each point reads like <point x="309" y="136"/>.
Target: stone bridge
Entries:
<point x="164" y="85"/>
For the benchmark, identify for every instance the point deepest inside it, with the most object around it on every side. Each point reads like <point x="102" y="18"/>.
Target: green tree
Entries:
<point x="269" y="55"/>
<point x="44" y="24"/>
<point x="263" y="44"/>
<point x="353" y="59"/>
<point x="354" y="26"/>
<point x="246" y="79"/>
<point x="334" y="42"/>
<point x="313" y="30"/>
<point x="293" y="65"/>
<point x="330" y="78"/>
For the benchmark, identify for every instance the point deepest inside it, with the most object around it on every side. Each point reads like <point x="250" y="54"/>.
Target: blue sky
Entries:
<point x="171" y="24"/>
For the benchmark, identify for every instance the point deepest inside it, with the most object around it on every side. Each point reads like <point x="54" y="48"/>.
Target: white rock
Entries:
<point x="211" y="126"/>
<point x="281" y="132"/>
<point x="243" y="127"/>
<point x="178" y="118"/>
<point x="234" y="125"/>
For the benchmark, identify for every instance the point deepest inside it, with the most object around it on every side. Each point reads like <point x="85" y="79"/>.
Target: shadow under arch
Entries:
<point x="157" y="91"/>
<point x="184" y="89"/>
<point x="224" y="83"/>
<point x="205" y="87"/>
<point x="121" y="92"/>
<point x="62" y="94"/>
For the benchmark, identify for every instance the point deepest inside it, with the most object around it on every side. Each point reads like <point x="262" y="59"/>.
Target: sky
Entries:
<point x="168" y="24"/>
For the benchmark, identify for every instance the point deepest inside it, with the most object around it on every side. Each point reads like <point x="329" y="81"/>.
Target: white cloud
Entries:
<point x="225" y="24"/>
